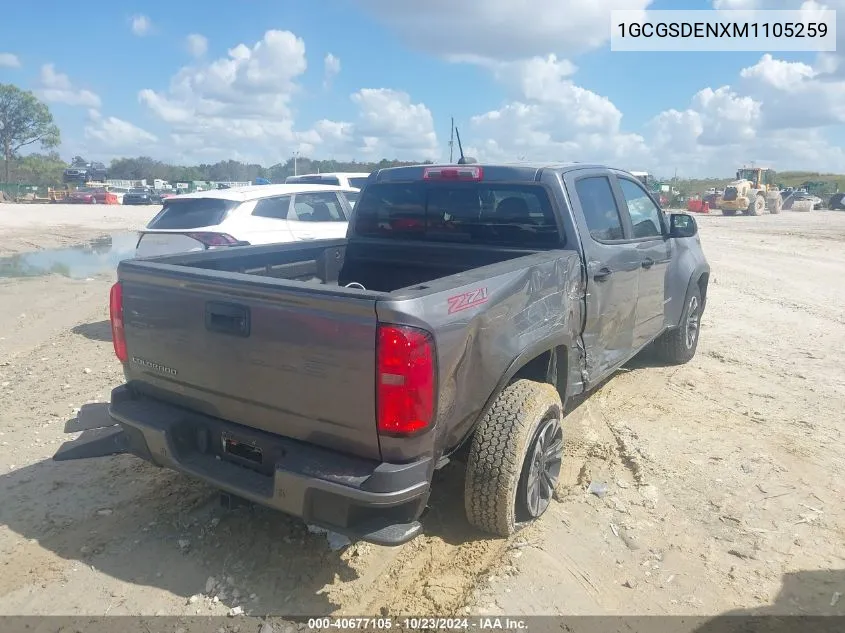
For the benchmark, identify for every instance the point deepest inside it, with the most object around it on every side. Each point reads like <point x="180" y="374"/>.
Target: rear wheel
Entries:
<point x="677" y="346"/>
<point x="515" y="459"/>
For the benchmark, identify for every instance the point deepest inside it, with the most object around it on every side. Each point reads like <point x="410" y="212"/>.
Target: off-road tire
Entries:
<point x="776" y="206"/>
<point x="497" y="462"/>
<point x="673" y="346"/>
<point x="756" y="206"/>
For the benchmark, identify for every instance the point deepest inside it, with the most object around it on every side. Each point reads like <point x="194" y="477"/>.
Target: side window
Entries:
<point x="645" y="215"/>
<point x="599" y="206"/>
<point x="317" y="207"/>
<point x="276" y="208"/>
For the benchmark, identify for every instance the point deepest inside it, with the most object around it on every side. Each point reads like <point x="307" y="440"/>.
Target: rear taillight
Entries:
<point x="211" y="240"/>
<point x="404" y="380"/>
<point x="453" y="173"/>
<point x="118" y="334"/>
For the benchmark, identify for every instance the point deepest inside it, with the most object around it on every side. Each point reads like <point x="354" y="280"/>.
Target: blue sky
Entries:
<point x="422" y="63"/>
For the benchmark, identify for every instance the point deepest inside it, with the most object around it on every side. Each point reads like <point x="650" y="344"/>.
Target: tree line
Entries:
<point x="46" y="169"/>
<point x="25" y="122"/>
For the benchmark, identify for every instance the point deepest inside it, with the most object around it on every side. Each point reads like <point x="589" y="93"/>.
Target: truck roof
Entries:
<point x="492" y="171"/>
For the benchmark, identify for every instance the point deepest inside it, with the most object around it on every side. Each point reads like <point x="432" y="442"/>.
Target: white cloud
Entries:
<point x="722" y="128"/>
<point x="57" y="88"/>
<point x="551" y="118"/>
<point x="111" y="133"/>
<point x="389" y="125"/>
<point x="238" y="102"/>
<point x="8" y="60"/>
<point x="197" y="44"/>
<point x="777" y="73"/>
<point x="141" y="25"/>
<point x="500" y="29"/>
<point x="331" y="68"/>
<point x="794" y="94"/>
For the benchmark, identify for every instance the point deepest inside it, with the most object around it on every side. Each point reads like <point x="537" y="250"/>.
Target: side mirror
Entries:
<point x="682" y="225"/>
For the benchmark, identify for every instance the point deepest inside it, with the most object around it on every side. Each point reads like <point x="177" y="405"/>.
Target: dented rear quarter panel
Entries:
<point x="483" y="321"/>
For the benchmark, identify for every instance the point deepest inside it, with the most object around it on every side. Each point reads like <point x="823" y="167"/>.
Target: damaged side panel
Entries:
<point x="485" y="329"/>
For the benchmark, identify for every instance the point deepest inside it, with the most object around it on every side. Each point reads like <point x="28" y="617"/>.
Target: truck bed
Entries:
<point x="378" y="266"/>
<point x="268" y="337"/>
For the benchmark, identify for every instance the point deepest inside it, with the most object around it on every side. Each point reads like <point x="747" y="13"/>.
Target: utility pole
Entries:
<point x="451" y="139"/>
<point x="295" y="156"/>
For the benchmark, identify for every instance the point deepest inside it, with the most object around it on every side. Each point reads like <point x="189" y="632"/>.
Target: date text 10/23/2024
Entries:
<point x="483" y="623"/>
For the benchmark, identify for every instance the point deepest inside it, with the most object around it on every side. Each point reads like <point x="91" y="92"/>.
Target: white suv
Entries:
<point x="260" y="214"/>
<point x="352" y="180"/>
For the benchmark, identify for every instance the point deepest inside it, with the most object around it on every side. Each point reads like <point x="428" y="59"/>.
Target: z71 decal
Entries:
<point x="467" y="300"/>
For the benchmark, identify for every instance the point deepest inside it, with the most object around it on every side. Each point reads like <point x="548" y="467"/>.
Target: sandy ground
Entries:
<point x="724" y="476"/>
<point x="26" y="227"/>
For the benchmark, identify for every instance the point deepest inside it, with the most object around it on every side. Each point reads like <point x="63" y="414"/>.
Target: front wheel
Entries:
<point x="757" y="206"/>
<point x="515" y="459"/>
<point x="777" y="205"/>
<point x="677" y="346"/>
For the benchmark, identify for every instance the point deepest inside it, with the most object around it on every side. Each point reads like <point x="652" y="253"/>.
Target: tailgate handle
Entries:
<point x="227" y="318"/>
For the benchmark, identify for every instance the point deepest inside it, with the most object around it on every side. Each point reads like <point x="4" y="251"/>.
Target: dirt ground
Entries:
<point x="26" y="227"/>
<point x="724" y="476"/>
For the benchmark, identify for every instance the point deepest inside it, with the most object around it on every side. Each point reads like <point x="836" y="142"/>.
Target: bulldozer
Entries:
<point x="753" y="192"/>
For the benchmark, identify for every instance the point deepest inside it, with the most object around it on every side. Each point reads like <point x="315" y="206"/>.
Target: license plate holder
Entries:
<point x="246" y="452"/>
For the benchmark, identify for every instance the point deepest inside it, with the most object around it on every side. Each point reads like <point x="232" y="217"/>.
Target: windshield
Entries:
<point x="476" y="213"/>
<point x="138" y="191"/>
<point x="191" y="213"/>
<point x="352" y="196"/>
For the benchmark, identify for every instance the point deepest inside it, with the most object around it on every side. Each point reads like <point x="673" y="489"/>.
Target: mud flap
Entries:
<point x="94" y="443"/>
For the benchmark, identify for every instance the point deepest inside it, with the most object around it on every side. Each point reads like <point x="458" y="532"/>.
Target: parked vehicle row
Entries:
<point x="453" y="319"/>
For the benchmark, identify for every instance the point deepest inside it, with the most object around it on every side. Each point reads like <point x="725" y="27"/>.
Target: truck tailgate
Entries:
<point x="276" y="358"/>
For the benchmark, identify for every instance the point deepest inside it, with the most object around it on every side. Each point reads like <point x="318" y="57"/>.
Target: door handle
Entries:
<point x="603" y="274"/>
<point x="648" y="262"/>
<point x="227" y="318"/>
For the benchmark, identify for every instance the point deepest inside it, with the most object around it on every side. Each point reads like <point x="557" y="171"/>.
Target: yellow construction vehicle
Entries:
<point x="753" y="192"/>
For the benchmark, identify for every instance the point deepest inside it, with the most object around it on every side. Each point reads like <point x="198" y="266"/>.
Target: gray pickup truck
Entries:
<point x="330" y="379"/>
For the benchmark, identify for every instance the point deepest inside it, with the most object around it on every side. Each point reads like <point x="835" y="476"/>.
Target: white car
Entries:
<point x="353" y="180"/>
<point x="260" y="214"/>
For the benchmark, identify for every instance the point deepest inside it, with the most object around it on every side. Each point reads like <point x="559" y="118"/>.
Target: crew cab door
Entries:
<point x="317" y="215"/>
<point x="649" y="233"/>
<point x="613" y="270"/>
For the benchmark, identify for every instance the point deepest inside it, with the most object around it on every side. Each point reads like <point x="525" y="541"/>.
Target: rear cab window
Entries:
<point x="494" y="213"/>
<point x="357" y="183"/>
<point x="192" y="213"/>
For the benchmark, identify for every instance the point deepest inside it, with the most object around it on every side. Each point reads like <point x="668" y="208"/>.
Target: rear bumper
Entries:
<point x="364" y="499"/>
